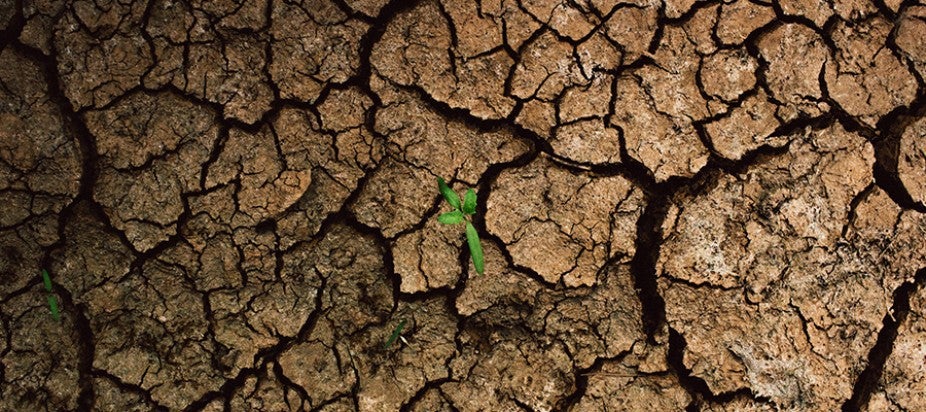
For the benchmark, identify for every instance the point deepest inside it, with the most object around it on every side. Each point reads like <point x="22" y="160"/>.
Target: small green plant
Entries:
<point x="52" y="300"/>
<point x="459" y="215"/>
<point x="396" y="334"/>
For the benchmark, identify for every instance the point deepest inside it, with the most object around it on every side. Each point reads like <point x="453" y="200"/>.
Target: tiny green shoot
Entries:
<point x="458" y="215"/>
<point x="52" y="301"/>
<point x="395" y="333"/>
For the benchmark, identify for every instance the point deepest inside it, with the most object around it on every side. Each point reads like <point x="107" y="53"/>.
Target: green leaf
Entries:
<point x="451" y="218"/>
<point x="469" y="202"/>
<point x="448" y="193"/>
<point x="395" y="333"/>
<point x="53" y="306"/>
<point x="475" y="248"/>
<point x="46" y="280"/>
<point x="52" y="300"/>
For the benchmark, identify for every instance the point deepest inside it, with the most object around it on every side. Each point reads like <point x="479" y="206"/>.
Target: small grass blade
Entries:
<point x="395" y="333"/>
<point x="47" y="280"/>
<point x="475" y="248"/>
<point x="451" y="218"/>
<point x="448" y="193"/>
<point x="469" y="202"/>
<point x="53" y="305"/>
<point x="52" y="300"/>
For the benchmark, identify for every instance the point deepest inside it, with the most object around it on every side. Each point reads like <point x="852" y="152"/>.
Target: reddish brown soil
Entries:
<point x="684" y="205"/>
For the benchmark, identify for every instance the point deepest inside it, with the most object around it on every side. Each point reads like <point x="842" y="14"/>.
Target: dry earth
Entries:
<point x="685" y="205"/>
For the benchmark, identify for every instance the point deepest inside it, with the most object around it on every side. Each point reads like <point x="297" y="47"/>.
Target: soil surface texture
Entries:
<point x="684" y="205"/>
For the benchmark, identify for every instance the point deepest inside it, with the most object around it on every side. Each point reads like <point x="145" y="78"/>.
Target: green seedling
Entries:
<point x="395" y="334"/>
<point x="459" y="215"/>
<point x="52" y="300"/>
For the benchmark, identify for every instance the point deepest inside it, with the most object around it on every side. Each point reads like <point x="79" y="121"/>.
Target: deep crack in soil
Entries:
<point x="683" y="205"/>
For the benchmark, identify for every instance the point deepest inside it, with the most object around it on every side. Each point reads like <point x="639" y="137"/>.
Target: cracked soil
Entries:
<point x="684" y="205"/>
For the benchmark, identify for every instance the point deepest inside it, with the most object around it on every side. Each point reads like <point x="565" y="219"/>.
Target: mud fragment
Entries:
<point x="338" y="153"/>
<point x="657" y="105"/>
<point x="622" y="386"/>
<point x="910" y="30"/>
<point x="740" y="18"/>
<point x="315" y="367"/>
<point x="420" y="147"/>
<point x="39" y="22"/>
<point x="816" y="11"/>
<point x="676" y="8"/>
<point x="911" y="162"/>
<point x="38" y="363"/>
<point x="598" y="54"/>
<point x="564" y="226"/>
<point x="265" y="392"/>
<point x="390" y="377"/>
<point x="215" y="51"/>
<point x="40" y="168"/>
<point x="426" y="47"/>
<point x="547" y="66"/>
<point x="538" y="116"/>
<point x="499" y="286"/>
<point x="903" y="381"/>
<point x="293" y="170"/>
<point x="591" y="323"/>
<point x="739" y="404"/>
<point x="152" y="147"/>
<point x="728" y="74"/>
<point x="7" y="10"/>
<point x="428" y="258"/>
<point x="746" y="128"/>
<point x="113" y="396"/>
<point x="633" y="28"/>
<point x="796" y="55"/>
<point x="153" y="335"/>
<point x="101" y="53"/>
<point x="92" y="255"/>
<point x="865" y="78"/>
<point x="433" y="401"/>
<point x="523" y="372"/>
<point x="768" y="256"/>
<point x="588" y="141"/>
<point x="668" y="146"/>
<point x="314" y="45"/>
<point x="587" y="101"/>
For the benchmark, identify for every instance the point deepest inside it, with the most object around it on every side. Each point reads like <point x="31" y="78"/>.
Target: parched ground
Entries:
<point x="684" y="205"/>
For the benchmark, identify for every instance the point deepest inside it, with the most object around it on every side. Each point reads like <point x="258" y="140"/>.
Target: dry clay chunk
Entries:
<point x="865" y="78"/>
<point x="775" y="285"/>
<point x="562" y="225"/>
<point x="903" y="383"/>
<point x="656" y="107"/>
<point x="600" y="321"/>
<point x="414" y="51"/>
<point x="40" y="169"/>
<point x="796" y="54"/>
<point x="101" y="51"/>
<point x="314" y="45"/>
<point x="911" y="164"/>
<point x="38" y="360"/>
<point x="910" y="31"/>
<point x="152" y="147"/>
<point x="428" y="258"/>
<point x="216" y="51"/>
<point x="333" y="362"/>
<point x="421" y="145"/>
